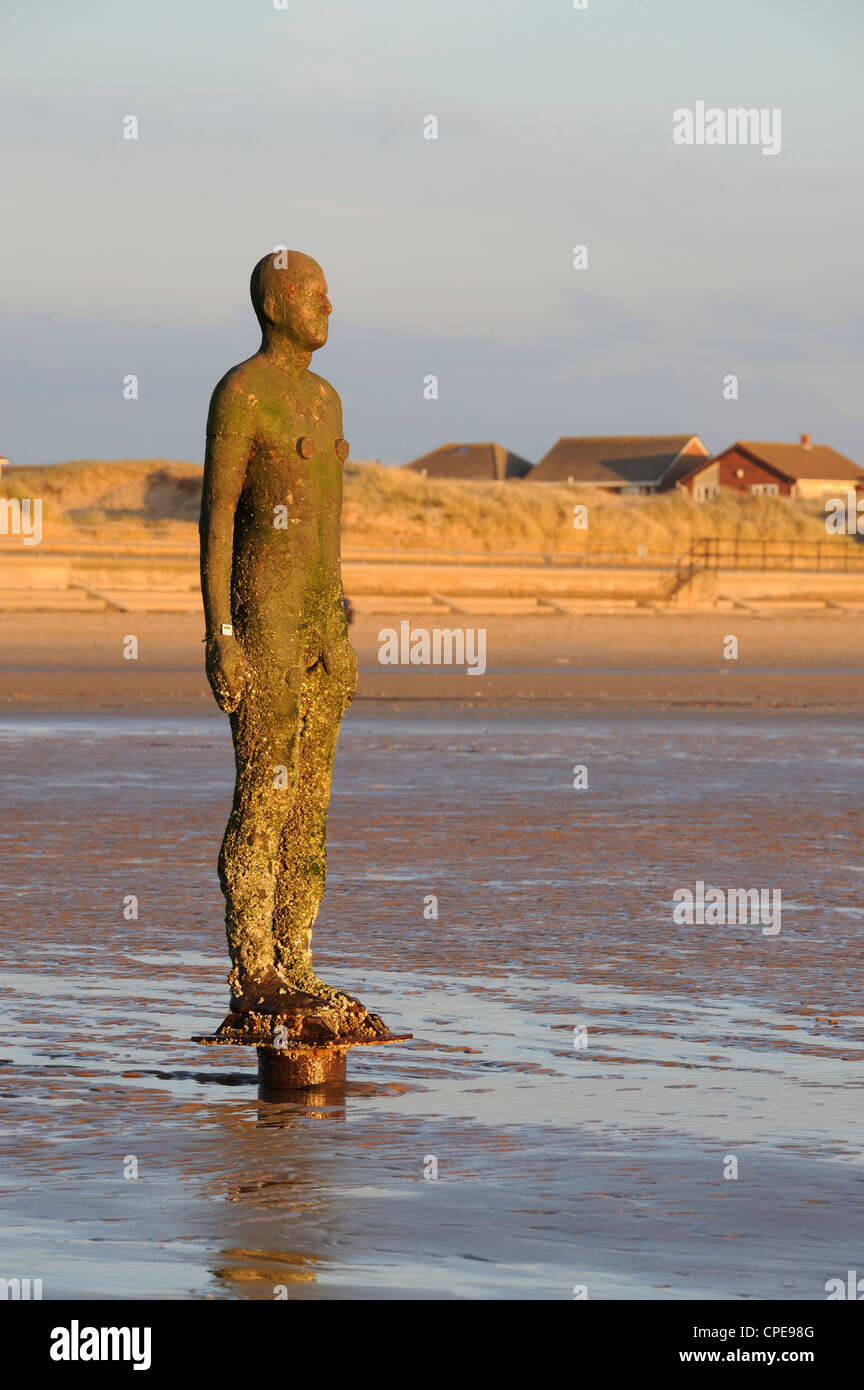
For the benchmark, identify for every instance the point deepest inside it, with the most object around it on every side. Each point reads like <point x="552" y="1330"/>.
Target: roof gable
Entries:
<point x="476" y="462"/>
<point x="613" y="460"/>
<point x="796" y="461"/>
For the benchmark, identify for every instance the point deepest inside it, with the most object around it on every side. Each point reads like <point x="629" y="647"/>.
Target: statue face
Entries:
<point x="304" y="309"/>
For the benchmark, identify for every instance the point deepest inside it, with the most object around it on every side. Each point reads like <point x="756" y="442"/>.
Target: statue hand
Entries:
<point x="227" y="672"/>
<point x="340" y="661"/>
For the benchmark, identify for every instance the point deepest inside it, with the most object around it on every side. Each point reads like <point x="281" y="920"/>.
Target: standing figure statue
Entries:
<point x="278" y="657"/>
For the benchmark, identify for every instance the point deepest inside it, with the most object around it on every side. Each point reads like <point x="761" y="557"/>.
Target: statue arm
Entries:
<point x="340" y="659"/>
<point x="230" y="440"/>
<point x="224" y="471"/>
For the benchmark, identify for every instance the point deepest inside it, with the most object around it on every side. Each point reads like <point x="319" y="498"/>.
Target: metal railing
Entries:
<point x="703" y="553"/>
<point x="733" y="553"/>
<point x="587" y="555"/>
<point x="643" y="557"/>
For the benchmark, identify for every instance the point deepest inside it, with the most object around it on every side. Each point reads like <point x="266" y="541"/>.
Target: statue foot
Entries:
<point x="261" y="993"/>
<point x="311" y="984"/>
<point x="305" y="1006"/>
<point x="273" y="993"/>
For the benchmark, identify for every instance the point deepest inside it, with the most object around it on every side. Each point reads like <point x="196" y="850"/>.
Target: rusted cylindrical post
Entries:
<point x="297" y="1071"/>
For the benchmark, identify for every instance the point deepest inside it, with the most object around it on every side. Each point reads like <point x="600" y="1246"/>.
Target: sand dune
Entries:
<point x="391" y="506"/>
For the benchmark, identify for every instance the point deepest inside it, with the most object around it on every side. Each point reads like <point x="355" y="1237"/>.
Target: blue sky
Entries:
<point x="303" y="127"/>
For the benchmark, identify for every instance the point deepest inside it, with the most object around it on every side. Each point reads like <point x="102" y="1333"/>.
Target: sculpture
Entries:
<point x="278" y="657"/>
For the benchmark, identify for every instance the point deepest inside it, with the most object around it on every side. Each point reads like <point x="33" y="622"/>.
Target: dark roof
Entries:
<point x="490" y="462"/>
<point x="801" y="460"/>
<point x="611" y="461"/>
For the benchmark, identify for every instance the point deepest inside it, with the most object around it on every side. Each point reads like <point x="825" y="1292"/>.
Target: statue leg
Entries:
<point x="266" y="743"/>
<point x="303" y="850"/>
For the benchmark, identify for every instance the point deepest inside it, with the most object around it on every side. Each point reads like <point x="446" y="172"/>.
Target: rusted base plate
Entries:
<point x="231" y="1040"/>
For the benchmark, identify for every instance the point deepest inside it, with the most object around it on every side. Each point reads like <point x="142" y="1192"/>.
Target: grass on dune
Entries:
<point x="398" y="506"/>
<point x="393" y="506"/>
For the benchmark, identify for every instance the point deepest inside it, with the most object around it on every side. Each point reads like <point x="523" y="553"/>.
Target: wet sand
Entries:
<point x="557" y="1166"/>
<point x="52" y="661"/>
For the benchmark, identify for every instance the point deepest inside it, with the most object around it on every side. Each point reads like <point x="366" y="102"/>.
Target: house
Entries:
<point x="477" y="462"/>
<point x="635" y="464"/>
<point x="802" y="470"/>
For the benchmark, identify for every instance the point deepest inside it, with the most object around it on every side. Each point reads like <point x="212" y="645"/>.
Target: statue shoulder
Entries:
<point x="325" y="389"/>
<point x="234" y="403"/>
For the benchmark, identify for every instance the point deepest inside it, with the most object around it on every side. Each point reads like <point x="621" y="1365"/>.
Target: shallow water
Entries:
<point x="557" y="1165"/>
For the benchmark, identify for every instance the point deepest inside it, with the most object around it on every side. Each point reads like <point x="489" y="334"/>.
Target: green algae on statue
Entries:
<point x="278" y="657"/>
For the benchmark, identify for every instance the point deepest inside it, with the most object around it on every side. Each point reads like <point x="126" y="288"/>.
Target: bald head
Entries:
<point x="289" y="292"/>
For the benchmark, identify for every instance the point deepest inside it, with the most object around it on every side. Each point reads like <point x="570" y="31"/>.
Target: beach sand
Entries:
<point x="54" y="661"/>
<point x="558" y="1166"/>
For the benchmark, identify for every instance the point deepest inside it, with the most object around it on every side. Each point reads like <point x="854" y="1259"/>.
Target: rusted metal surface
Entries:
<point x="226" y="1040"/>
<point x="298" y="1067"/>
<point x="298" y="1071"/>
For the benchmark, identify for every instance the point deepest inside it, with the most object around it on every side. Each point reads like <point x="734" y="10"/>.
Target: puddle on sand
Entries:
<point x="556" y="1164"/>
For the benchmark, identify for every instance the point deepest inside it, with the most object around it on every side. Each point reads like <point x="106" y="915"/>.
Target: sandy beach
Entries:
<point x="557" y="1166"/>
<point x="533" y="969"/>
<point x="74" y="661"/>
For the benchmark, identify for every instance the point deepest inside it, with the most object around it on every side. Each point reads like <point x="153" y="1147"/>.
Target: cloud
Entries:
<point x="61" y="393"/>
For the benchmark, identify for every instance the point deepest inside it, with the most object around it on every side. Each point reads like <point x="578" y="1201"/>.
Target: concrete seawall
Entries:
<point x="30" y="580"/>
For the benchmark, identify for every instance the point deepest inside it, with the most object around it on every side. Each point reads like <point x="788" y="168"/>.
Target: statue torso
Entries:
<point x="286" y="578"/>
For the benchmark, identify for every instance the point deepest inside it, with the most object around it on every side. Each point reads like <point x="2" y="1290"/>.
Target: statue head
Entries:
<point x="289" y="292"/>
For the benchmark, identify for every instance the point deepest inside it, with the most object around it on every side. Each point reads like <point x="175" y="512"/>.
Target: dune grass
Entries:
<point x="393" y="506"/>
<point x="400" y="507"/>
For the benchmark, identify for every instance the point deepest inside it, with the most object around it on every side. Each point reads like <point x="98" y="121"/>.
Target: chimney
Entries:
<point x="805" y="441"/>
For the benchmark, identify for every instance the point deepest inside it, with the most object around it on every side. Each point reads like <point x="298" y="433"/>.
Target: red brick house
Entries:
<point x="802" y="470"/>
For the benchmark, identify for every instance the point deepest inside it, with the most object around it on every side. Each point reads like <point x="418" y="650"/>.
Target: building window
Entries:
<point x="703" y="492"/>
<point x="765" y="489"/>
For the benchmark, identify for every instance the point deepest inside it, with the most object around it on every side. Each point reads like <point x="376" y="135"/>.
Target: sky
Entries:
<point x="303" y="126"/>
